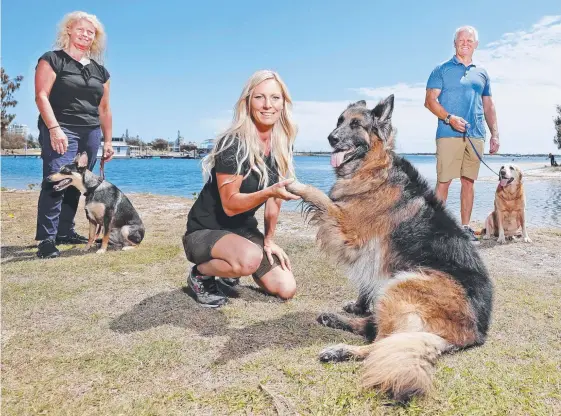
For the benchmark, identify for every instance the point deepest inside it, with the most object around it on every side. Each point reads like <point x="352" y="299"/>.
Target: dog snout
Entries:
<point x="333" y="139"/>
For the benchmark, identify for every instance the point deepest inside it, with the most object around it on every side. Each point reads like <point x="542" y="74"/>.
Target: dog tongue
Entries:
<point x="337" y="159"/>
<point x="503" y="182"/>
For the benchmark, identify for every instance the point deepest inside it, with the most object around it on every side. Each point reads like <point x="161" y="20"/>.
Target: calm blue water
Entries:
<point x="182" y="177"/>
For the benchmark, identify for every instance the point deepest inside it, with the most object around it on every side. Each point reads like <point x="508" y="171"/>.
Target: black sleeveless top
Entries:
<point x="77" y="90"/>
<point x="207" y="212"/>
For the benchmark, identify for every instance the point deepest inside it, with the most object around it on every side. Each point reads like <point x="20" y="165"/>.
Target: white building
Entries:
<point x="19" y="129"/>
<point x="120" y="147"/>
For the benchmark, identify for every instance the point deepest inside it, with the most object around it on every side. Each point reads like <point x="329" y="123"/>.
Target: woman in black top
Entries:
<point x="72" y="95"/>
<point x="243" y="171"/>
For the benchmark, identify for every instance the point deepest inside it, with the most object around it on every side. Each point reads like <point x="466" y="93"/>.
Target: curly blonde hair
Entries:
<point x="63" y="39"/>
<point x="243" y="129"/>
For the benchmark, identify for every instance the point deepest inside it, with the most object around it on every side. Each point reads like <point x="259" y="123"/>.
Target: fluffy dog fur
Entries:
<point x="430" y="290"/>
<point x="508" y="219"/>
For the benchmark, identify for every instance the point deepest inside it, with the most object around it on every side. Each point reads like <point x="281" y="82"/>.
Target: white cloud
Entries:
<point x="525" y="71"/>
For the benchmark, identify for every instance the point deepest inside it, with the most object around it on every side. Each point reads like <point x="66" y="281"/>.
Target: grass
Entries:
<point x="116" y="334"/>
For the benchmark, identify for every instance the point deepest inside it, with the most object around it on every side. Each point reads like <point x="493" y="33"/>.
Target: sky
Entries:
<point x="181" y="65"/>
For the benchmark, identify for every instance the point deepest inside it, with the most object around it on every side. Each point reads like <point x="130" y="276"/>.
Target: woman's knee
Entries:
<point x="247" y="264"/>
<point x="287" y="290"/>
<point x="282" y="285"/>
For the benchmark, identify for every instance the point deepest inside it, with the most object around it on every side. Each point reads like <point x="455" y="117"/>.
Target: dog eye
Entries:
<point x="355" y="124"/>
<point x="340" y="121"/>
<point x="511" y="168"/>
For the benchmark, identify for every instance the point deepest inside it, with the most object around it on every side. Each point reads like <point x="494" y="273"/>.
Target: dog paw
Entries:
<point x="86" y="248"/>
<point x="328" y="319"/>
<point x="101" y="251"/>
<point x="527" y="239"/>
<point x="125" y="248"/>
<point x="356" y="308"/>
<point x="501" y="240"/>
<point x="335" y="353"/>
<point x="295" y="187"/>
<point x="486" y="237"/>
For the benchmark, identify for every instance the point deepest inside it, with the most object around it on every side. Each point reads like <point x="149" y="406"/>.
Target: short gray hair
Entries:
<point x="470" y="29"/>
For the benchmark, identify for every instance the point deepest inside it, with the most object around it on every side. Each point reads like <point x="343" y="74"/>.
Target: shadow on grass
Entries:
<point x="492" y="242"/>
<point x="293" y="330"/>
<point x="176" y="308"/>
<point x="13" y="254"/>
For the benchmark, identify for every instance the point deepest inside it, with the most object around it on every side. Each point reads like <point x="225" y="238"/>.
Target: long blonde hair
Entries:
<point x="243" y="129"/>
<point x="63" y="38"/>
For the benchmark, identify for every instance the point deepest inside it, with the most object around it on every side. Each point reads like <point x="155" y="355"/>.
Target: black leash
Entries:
<point x="476" y="152"/>
<point x="102" y="166"/>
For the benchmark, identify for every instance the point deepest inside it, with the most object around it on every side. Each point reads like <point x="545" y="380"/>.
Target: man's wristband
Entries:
<point x="54" y="127"/>
<point x="447" y="119"/>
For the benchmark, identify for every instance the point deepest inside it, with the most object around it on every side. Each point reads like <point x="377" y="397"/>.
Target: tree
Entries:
<point x="160" y="144"/>
<point x="12" y="141"/>
<point x="31" y="142"/>
<point x="9" y="86"/>
<point x="134" y="142"/>
<point x="557" y="122"/>
<point x="189" y="147"/>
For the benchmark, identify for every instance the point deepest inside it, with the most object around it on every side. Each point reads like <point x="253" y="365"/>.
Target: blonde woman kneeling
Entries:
<point x="248" y="167"/>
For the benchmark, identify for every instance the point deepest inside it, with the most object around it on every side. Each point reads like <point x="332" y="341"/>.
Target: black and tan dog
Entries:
<point x="106" y="206"/>
<point x="430" y="289"/>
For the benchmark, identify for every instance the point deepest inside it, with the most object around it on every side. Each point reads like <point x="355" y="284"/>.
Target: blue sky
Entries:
<point x="180" y="65"/>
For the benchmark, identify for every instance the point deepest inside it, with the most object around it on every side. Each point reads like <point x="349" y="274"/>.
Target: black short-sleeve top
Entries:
<point x="207" y="212"/>
<point x="77" y="90"/>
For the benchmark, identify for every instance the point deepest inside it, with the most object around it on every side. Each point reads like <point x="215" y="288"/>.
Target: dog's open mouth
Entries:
<point x="505" y="181"/>
<point x="338" y="157"/>
<point x="62" y="184"/>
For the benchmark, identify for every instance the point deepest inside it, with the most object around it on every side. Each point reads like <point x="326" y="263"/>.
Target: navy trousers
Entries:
<point x="56" y="210"/>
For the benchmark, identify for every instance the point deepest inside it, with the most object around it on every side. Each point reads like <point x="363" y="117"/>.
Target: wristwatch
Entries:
<point x="447" y="119"/>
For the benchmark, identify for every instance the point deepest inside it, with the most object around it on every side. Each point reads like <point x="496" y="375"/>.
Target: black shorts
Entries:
<point x="198" y="246"/>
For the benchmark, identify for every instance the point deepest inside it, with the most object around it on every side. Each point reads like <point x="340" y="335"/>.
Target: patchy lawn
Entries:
<point x="116" y="333"/>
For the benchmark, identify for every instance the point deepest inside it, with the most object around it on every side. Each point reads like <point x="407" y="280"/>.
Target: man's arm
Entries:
<point x="431" y="102"/>
<point x="491" y="119"/>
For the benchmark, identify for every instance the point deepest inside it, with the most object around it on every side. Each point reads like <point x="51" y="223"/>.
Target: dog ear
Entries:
<point x="383" y="111"/>
<point x="82" y="160"/>
<point x="360" y="103"/>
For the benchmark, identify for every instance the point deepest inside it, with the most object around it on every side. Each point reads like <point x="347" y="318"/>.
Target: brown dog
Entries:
<point x="408" y="257"/>
<point x="509" y="216"/>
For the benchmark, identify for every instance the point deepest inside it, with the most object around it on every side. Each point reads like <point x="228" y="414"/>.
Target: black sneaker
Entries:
<point x="71" y="238"/>
<point x="47" y="250"/>
<point x="230" y="281"/>
<point x="205" y="290"/>
<point x="471" y="235"/>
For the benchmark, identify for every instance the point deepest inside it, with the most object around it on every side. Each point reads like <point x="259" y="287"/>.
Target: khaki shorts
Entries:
<point x="455" y="158"/>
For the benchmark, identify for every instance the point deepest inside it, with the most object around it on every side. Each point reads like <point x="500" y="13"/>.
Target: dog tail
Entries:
<point x="402" y="365"/>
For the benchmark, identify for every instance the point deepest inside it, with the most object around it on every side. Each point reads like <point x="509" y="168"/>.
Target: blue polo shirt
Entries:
<point x="462" y="88"/>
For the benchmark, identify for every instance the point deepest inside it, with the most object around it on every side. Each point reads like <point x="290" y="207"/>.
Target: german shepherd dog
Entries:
<point x="106" y="206"/>
<point x="430" y="290"/>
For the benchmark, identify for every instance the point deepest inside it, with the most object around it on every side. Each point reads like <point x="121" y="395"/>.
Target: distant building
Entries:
<point x="176" y="145"/>
<point x="121" y="148"/>
<point x="208" y="145"/>
<point x="19" y="129"/>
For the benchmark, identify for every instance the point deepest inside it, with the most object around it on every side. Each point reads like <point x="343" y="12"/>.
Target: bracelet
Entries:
<point x="54" y="127"/>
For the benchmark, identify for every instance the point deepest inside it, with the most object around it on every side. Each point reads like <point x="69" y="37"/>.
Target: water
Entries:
<point x="182" y="177"/>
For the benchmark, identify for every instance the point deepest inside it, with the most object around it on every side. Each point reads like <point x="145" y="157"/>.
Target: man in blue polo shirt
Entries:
<point x="459" y="94"/>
